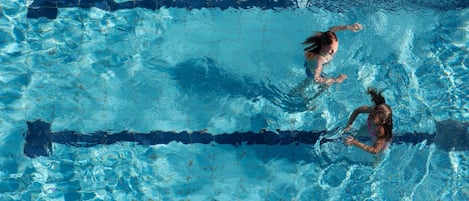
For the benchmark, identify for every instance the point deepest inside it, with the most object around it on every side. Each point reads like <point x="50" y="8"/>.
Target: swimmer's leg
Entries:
<point x="321" y="89"/>
<point x="300" y="88"/>
<point x="310" y="101"/>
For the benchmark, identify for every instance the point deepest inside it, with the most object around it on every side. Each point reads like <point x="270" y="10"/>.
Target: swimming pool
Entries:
<point x="159" y="102"/>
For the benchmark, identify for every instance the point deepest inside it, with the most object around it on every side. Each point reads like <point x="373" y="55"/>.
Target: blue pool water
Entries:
<point x="192" y="100"/>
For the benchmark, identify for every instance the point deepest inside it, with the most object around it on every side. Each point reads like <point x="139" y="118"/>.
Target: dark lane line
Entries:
<point x="39" y="138"/>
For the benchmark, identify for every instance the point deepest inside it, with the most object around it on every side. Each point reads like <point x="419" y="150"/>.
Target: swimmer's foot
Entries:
<point x="295" y="91"/>
<point x="310" y="105"/>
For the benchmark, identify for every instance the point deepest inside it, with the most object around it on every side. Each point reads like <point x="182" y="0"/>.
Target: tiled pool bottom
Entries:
<point x="119" y="166"/>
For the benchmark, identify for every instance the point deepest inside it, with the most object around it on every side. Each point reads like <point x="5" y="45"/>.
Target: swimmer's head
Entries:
<point x="329" y="43"/>
<point x="382" y="113"/>
<point x="376" y="96"/>
<point x="322" y="43"/>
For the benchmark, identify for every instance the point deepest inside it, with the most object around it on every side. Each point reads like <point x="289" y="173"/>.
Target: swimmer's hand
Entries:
<point x="349" y="140"/>
<point x="341" y="78"/>
<point x="330" y="81"/>
<point x="355" y="27"/>
<point x="346" y="129"/>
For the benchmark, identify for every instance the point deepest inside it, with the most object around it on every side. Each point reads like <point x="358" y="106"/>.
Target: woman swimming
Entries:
<point x="321" y="49"/>
<point x="379" y="123"/>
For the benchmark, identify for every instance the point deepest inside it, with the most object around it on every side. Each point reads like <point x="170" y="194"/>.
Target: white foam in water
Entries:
<point x="225" y="71"/>
<point x="454" y="161"/>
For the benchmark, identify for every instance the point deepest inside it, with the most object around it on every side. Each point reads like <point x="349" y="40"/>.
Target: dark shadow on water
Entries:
<point x="205" y="79"/>
<point x="452" y="135"/>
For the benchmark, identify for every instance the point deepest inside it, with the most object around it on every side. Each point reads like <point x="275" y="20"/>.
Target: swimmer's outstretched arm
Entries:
<point x="354" y="27"/>
<point x="353" y="116"/>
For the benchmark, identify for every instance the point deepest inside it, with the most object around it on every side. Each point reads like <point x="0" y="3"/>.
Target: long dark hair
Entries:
<point x="319" y="39"/>
<point x="383" y="111"/>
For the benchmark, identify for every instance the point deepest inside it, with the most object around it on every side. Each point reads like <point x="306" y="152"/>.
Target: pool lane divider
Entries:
<point x="49" y="8"/>
<point x="39" y="138"/>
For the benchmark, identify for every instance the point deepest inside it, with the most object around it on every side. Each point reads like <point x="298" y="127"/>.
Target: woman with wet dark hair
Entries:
<point x="379" y="123"/>
<point x="322" y="46"/>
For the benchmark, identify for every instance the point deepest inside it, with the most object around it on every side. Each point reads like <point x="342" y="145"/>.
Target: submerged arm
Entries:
<point x="319" y="79"/>
<point x="354" y="27"/>
<point x="377" y="147"/>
